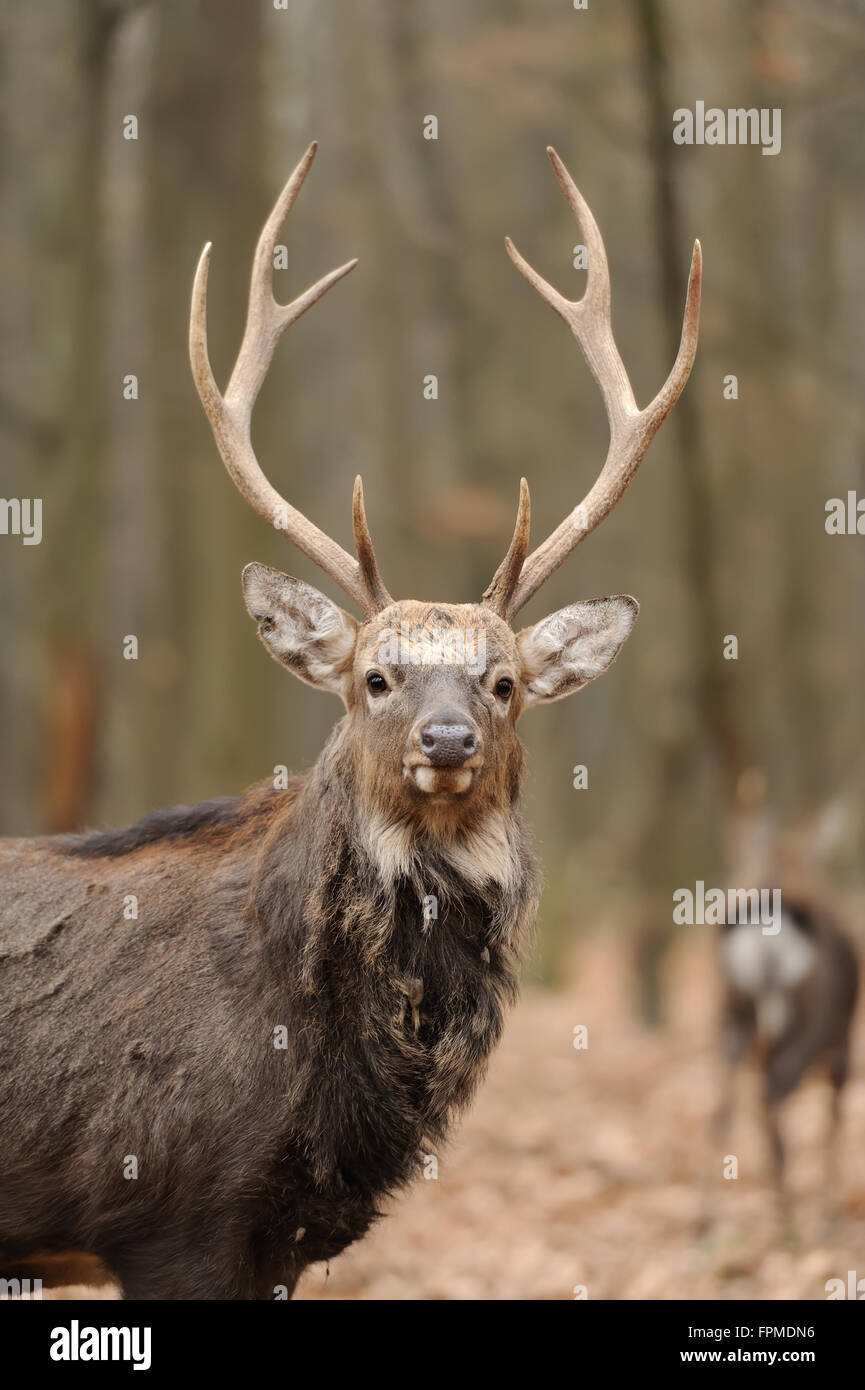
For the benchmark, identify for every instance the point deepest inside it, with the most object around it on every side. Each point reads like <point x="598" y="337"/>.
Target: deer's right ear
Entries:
<point x="300" y="627"/>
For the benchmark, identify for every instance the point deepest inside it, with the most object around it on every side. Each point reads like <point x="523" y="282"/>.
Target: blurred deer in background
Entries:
<point x="285" y="1025"/>
<point x="789" y="995"/>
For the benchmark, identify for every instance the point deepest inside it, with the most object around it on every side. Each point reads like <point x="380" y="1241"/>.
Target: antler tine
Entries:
<point x="498" y="594"/>
<point x="365" y="551"/>
<point x="230" y="415"/>
<point x="631" y="429"/>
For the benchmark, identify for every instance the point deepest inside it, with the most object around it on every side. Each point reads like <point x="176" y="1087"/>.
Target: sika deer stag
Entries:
<point x="289" y="1023"/>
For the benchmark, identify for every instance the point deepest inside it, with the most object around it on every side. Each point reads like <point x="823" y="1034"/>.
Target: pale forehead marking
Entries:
<point x="440" y="634"/>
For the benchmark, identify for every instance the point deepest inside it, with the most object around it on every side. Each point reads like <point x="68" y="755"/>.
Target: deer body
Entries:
<point x="789" y="992"/>
<point x="788" y="1006"/>
<point x="220" y="1091"/>
<point x="156" y="1039"/>
<point x="779" y="989"/>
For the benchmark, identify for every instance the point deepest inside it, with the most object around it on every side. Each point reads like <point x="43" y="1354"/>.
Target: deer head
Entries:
<point x="434" y="691"/>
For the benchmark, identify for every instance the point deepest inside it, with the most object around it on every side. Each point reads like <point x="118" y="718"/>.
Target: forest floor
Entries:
<point x="584" y="1168"/>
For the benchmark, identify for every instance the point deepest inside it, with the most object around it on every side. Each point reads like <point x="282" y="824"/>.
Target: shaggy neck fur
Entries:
<point x="404" y="948"/>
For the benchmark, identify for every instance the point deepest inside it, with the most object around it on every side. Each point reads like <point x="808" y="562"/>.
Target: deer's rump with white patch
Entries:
<point x="768" y="968"/>
<point x="790" y="997"/>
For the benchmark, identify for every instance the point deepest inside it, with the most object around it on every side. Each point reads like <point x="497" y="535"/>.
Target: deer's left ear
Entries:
<point x="565" y="651"/>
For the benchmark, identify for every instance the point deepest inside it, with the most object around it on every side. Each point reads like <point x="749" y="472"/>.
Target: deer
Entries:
<point x="215" y="1096"/>
<point x="788" y="993"/>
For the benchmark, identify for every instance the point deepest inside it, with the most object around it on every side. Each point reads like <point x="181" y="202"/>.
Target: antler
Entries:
<point x="631" y="429"/>
<point x="230" y="415"/>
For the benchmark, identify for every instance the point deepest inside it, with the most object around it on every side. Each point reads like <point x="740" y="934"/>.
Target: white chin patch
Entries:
<point x="434" y="779"/>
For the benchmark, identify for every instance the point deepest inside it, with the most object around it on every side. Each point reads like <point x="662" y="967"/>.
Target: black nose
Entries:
<point x="447" y="740"/>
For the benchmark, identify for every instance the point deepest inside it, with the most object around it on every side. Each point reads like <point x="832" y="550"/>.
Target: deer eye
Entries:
<point x="376" y="683"/>
<point x="504" y="688"/>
